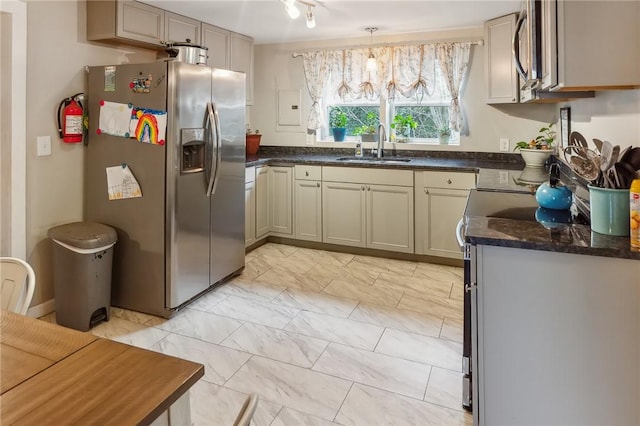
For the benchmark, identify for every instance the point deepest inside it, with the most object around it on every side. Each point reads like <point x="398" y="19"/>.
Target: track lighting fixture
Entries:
<point x="290" y="7"/>
<point x="372" y="65"/>
<point x="293" y="11"/>
<point x="311" y="19"/>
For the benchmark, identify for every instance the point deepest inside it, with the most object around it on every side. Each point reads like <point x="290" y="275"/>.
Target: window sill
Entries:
<point x="352" y="143"/>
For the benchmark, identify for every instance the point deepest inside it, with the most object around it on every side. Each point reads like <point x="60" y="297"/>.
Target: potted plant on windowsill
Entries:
<point x="403" y="125"/>
<point x="443" y="135"/>
<point x="536" y="152"/>
<point x="440" y="124"/>
<point x="368" y="131"/>
<point x="338" y="124"/>
<point x="253" y="141"/>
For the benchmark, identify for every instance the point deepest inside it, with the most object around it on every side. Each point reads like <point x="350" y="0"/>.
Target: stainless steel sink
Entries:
<point x="374" y="160"/>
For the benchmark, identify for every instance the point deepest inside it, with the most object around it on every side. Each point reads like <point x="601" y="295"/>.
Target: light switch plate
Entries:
<point x="44" y="145"/>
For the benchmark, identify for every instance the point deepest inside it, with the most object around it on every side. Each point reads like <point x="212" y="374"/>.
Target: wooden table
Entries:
<point x="53" y="375"/>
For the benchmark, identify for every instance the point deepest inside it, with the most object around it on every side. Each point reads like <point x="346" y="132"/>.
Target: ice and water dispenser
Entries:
<point x="192" y="147"/>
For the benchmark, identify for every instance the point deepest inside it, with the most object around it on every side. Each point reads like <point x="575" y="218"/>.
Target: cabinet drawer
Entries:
<point x="249" y="174"/>
<point x="450" y="180"/>
<point x="308" y="172"/>
<point x="366" y="175"/>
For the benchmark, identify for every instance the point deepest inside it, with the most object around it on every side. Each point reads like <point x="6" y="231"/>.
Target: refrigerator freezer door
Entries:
<point x="227" y="201"/>
<point x="138" y="263"/>
<point x="187" y="207"/>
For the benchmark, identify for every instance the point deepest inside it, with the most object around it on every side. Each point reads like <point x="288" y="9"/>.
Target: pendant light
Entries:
<point x="372" y="65"/>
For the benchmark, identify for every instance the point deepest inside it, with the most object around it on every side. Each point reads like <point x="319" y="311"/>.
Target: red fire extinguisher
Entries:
<point x="70" y="128"/>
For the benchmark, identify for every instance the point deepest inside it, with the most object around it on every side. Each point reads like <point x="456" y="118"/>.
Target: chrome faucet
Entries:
<point x="382" y="135"/>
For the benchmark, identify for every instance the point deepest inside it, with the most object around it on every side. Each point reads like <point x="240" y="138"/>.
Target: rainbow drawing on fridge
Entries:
<point x="148" y="126"/>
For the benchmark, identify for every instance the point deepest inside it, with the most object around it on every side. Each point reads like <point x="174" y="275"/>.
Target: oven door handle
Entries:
<point x="459" y="232"/>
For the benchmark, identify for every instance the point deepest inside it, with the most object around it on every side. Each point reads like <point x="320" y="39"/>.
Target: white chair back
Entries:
<point x="18" y="283"/>
<point x="246" y="412"/>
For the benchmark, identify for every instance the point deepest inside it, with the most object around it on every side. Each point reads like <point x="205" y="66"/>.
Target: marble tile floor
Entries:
<point x="325" y="338"/>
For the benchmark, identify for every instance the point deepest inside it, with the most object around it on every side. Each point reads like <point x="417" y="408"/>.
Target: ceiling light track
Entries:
<point x="293" y="11"/>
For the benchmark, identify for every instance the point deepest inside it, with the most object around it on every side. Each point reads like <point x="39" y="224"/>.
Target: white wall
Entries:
<point x="611" y="113"/>
<point x="57" y="52"/>
<point x="612" y="116"/>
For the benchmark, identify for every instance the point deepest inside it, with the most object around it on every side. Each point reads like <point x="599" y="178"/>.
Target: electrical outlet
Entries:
<point x="504" y="176"/>
<point x="44" y="145"/>
<point x="504" y="144"/>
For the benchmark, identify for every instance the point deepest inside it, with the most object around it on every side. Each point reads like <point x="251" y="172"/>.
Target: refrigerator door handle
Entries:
<point x="214" y="162"/>
<point x="218" y="142"/>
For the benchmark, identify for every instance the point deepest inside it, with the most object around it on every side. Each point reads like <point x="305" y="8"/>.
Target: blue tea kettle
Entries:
<point x="553" y="195"/>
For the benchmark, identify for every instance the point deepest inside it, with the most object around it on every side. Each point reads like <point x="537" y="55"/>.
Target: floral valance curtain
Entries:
<point x="402" y="71"/>
<point x="316" y="72"/>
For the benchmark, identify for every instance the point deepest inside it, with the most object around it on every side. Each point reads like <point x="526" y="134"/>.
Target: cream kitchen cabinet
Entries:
<point x="566" y="314"/>
<point x="250" y="206"/>
<point x="273" y="202"/>
<point x="368" y="208"/>
<point x="281" y="200"/>
<point x="241" y="59"/>
<point x="218" y="41"/>
<point x="308" y="203"/>
<point x="263" y="222"/>
<point x="440" y="201"/>
<point x="501" y="78"/>
<point x="590" y="45"/>
<point x="179" y="29"/>
<point x="125" y="22"/>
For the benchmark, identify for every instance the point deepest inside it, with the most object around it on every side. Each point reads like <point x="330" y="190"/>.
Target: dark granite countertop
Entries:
<point x="419" y="160"/>
<point x="577" y="239"/>
<point x="497" y="172"/>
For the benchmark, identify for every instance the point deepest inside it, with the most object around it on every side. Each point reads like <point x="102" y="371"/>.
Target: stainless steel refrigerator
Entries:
<point x="186" y="232"/>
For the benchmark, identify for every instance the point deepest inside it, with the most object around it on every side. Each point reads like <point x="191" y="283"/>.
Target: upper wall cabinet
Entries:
<point x="218" y="41"/>
<point x="127" y="22"/>
<point x="242" y="60"/>
<point x="179" y="29"/>
<point x="131" y="22"/>
<point x="598" y="45"/>
<point x="500" y="73"/>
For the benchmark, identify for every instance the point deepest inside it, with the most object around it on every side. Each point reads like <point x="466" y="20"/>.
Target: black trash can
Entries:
<point x="82" y="260"/>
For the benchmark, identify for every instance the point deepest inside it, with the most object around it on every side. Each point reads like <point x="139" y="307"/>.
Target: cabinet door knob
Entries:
<point x="362" y="187"/>
<point x="368" y="188"/>
<point x="449" y="181"/>
<point x="306" y="173"/>
<point x="426" y="191"/>
<point x="318" y="184"/>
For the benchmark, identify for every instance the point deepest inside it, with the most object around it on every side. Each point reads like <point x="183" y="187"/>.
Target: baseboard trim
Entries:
<point x="42" y="309"/>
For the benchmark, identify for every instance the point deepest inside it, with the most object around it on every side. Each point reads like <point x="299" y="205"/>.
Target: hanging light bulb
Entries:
<point x="372" y="65"/>
<point x="311" y="19"/>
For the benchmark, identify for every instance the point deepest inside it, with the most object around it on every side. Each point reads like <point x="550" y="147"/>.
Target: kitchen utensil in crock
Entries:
<point x="605" y="165"/>
<point x="576" y="139"/>
<point x="552" y="194"/>
<point x="632" y="157"/>
<point x="625" y="174"/>
<point x="598" y="144"/>
<point x="583" y="161"/>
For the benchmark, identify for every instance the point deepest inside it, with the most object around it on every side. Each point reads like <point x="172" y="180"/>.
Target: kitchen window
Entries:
<point x="430" y="111"/>
<point x="423" y="81"/>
